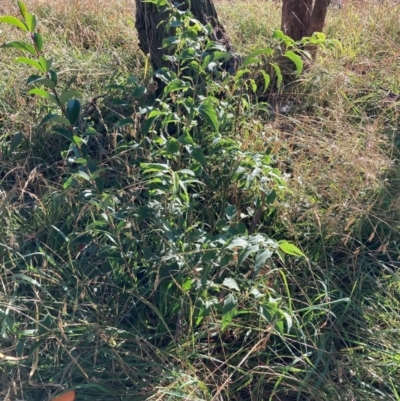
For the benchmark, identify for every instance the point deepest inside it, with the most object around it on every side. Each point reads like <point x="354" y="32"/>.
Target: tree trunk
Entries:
<point x="302" y="18"/>
<point x="318" y="16"/>
<point x="151" y="33"/>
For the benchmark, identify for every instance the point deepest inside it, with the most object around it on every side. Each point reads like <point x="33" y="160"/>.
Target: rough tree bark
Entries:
<point x="303" y="17"/>
<point x="151" y="33"/>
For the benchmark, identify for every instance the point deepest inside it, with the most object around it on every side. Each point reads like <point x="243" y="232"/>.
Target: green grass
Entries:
<point x="74" y="313"/>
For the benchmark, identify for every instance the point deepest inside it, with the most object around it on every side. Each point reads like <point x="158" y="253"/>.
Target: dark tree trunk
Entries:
<point x="296" y="17"/>
<point x="318" y="16"/>
<point x="302" y="18"/>
<point x="151" y="33"/>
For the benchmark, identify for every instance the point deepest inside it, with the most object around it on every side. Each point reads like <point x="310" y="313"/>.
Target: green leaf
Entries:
<point x="208" y="112"/>
<point x="186" y="139"/>
<point x="261" y="258"/>
<point x="73" y="110"/>
<point x="198" y="155"/>
<point x="124" y="121"/>
<point x="8" y="19"/>
<point x="69" y="94"/>
<point x="30" y="22"/>
<point x="55" y="118"/>
<point x="47" y="324"/>
<point x="139" y="91"/>
<point x="298" y="62"/>
<point x="80" y="160"/>
<point x="91" y="131"/>
<point x="16" y="141"/>
<point x="246" y="253"/>
<point x="99" y="184"/>
<point x="33" y="63"/>
<point x="32" y="78"/>
<point x="43" y="93"/>
<point x="63" y="132"/>
<point x="19" y="349"/>
<point x="67" y="184"/>
<point x="172" y="146"/>
<point x="151" y="167"/>
<point x="278" y="72"/>
<point x="278" y="34"/>
<point x="45" y="82"/>
<point x="45" y="63"/>
<point x="19" y="45"/>
<point x="38" y="41"/>
<point x="268" y="51"/>
<point x="22" y="8"/>
<point x="77" y="140"/>
<point x="290" y="249"/>
<point x="229" y="304"/>
<point x="82" y="174"/>
<point x="91" y="164"/>
<point x="267" y="80"/>
<point x="175" y="85"/>
<point x="53" y="76"/>
<point x="231" y="284"/>
<point x="230" y="212"/>
<point x="147" y="125"/>
<point x="240" y="73"/>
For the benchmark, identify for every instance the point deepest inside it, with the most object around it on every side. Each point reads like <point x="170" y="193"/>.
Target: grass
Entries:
<point x="73" y="319"/>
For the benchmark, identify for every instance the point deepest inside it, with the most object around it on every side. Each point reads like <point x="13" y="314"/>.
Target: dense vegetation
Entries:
<point x="230" y="238"/>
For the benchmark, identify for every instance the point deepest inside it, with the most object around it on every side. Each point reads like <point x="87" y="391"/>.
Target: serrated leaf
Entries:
<point x="19" y="45"/>
<point x="73" y="110"/>
<point x="16" y="141"/>
<point x="38" y="41"/>
<point x="298" y="62"/>
<point x="43" y="93"/>
<point x="29" y="61"/>
<point x="231" y="284"/>
<point x="8" y="19"/>
<point x="207" y="111"/>
<point x="260" y="259"/>
<point x="290" y="249"/>
<point x="67" y="95"/>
